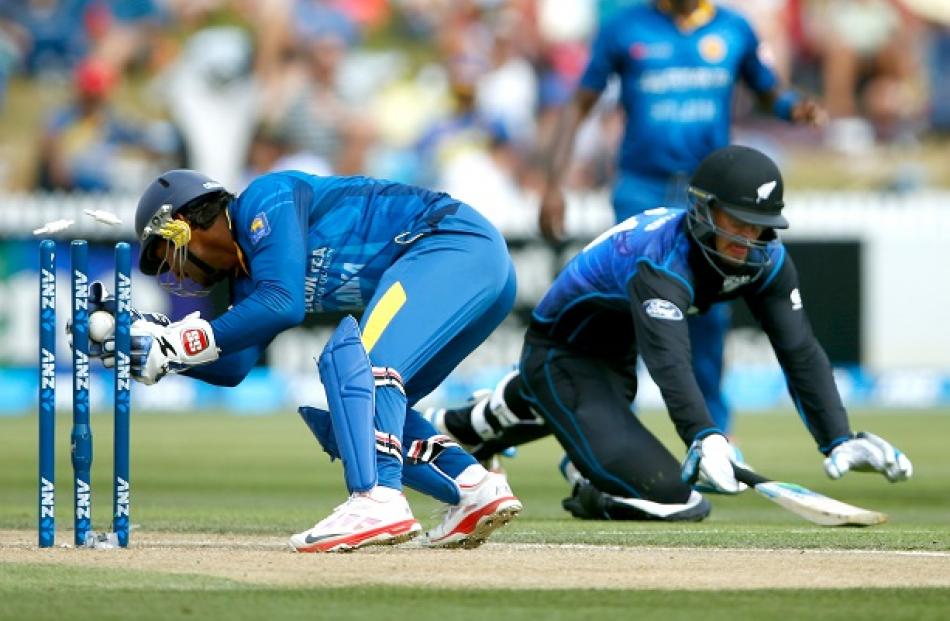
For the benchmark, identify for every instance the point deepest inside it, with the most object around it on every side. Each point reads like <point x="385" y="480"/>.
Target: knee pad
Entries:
<point x="492" y="418"/>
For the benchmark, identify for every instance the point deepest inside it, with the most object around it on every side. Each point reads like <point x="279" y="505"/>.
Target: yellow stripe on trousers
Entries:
<point x="382" y="314"/>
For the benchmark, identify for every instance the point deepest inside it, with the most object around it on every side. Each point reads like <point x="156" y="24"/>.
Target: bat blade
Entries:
<point x="818" y="508"/>
<point x="814" y="507"/>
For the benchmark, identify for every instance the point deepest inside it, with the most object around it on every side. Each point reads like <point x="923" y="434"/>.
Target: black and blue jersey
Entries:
<point x="630" y="290"/>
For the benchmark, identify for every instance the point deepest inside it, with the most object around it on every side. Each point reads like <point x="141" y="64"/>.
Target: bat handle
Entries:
<point x="748" y="477"/>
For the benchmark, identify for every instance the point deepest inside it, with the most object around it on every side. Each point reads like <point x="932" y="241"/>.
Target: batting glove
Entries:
<point x="866" y="452"/>
<point x="710" y="459"/>
<point x="158" y="350"/>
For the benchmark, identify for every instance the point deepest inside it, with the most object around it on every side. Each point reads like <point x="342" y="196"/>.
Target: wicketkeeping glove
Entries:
<point x="866" y="452"/>
<point x="158" y="350"/>
<point x="101" y="300"/>
<point x="710" y="460"/>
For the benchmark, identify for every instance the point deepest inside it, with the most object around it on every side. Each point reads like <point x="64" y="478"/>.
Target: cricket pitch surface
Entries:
<point x="264" y="560"/>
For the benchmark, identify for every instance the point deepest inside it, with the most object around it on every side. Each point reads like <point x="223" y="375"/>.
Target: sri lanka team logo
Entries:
<point x="712" y="48"/>
<point x="260" y="228"/>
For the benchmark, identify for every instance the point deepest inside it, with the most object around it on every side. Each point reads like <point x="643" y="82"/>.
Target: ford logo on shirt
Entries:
<point x="662" y="309"/>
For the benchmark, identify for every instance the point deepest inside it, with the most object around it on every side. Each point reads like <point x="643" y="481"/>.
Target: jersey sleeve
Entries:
<point x="659" y="301"/>
<point x="753" y="70"/>
<point x="604" y="59"/>
<point x="275" y="236"/>
<point x="227" y="370"/>
<point x="777" y="305"/>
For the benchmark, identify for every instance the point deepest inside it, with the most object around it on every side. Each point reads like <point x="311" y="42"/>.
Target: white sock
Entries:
<point x="572" y="474"/>
<point x="471" y="476"/>
<point x="381" y="493"/>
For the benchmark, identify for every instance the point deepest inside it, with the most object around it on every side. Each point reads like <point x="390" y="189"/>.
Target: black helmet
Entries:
<point x="744" y="183"/>
<point x="167" y="195"/>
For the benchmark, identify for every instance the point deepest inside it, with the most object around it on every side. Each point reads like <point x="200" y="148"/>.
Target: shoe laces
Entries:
<point x="441" y="512"/>
<point x="337" y="510"/>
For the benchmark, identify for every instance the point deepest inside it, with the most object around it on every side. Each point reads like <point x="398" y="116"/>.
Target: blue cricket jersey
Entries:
<point x="313" y="244"/>
<point x="676" y="86"/>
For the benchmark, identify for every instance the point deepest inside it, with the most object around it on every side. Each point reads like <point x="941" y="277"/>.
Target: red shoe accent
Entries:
<point x="357" y="539"/>
<point x="467" y="525"/>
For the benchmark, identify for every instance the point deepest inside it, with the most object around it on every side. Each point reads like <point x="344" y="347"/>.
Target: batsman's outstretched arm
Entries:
<point x="778" y="306"/>
<point x="780" y="309"/>
<point x="658" y="304"/>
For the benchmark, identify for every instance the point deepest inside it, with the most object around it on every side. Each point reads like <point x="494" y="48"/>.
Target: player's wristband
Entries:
<point x="782" y="108"/>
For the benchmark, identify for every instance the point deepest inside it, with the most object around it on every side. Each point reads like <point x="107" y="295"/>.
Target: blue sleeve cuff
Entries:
<point x="707" y="432"/>
<point x="826" y="450"/>
<point x="782" y="108"/>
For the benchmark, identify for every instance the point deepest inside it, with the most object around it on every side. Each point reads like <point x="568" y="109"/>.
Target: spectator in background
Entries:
<point x="563" y="50"/>
<point x="13" y="41"/>
<point x="869" y="63"/>
<point x="464" y="128"/>
<point x="81" y="142"/>
<point x="772" y="22"/>
<point x="123" y="30"/>
<point x="54" y="31"/>
<point x="507" y="92"/>
<point x="939" y="69"/>
<point x="210" y="95"/>
<point x="273" y="149"/>
<point x="318" y="111"/>
<point x="320" y="114"/>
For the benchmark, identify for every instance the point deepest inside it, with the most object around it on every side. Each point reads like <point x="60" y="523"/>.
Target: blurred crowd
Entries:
<point x="461" y="95"/>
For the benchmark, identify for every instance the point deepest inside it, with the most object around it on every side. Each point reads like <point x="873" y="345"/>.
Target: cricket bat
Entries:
<point x="812" y="506"/>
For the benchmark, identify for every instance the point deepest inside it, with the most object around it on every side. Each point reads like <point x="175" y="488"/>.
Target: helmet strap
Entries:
<point x="703" y="230"/>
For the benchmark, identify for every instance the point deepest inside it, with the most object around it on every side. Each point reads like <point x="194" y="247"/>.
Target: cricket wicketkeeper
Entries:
<point x="434" y="278"/>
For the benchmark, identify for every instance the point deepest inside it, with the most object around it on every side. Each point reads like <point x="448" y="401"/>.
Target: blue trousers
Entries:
<point x="434" y="305"/>
<point x="635" y="194"/>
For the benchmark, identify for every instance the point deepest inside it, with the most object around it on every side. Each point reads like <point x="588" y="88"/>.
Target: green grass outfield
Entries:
<point x="265" y="475"/>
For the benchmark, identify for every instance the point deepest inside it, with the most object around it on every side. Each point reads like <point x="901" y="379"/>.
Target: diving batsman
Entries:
<point x="433" y="278"/>
<point x="630" y="292"/>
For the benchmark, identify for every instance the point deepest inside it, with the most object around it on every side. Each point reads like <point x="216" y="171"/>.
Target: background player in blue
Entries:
<point x="434" y="278"/>
<point x="629" y="293"/>
<point x="678" y="62"/>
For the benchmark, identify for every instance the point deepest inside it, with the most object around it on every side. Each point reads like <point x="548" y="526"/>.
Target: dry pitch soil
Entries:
<point x="267" y="561"/>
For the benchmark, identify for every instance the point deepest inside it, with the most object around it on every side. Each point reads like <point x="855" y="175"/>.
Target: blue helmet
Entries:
<point x="167" y="195"/>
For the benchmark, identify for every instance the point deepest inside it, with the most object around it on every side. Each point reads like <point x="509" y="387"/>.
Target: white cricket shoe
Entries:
<point x="379" y="517"/>
<point x="485" y="507"/>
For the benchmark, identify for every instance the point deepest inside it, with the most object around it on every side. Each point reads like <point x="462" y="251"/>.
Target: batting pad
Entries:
<point x="422" y="476"/>
<point x="321" y="426"/>
<point x="348" y="379"/>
